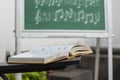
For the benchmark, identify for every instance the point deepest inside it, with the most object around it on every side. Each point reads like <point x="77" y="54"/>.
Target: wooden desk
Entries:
<point x="19" y="68"/>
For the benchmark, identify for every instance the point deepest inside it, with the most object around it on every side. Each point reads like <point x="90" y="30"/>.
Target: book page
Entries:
<point x="42" y="52"/>
<point x="81" y="50"/>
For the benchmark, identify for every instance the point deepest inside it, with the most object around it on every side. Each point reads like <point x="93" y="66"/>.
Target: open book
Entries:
<point x="48" y="54"/>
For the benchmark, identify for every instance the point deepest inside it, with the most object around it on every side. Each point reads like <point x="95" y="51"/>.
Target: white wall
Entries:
<point x="7" y="26"/>
<point x="116" y="22"/>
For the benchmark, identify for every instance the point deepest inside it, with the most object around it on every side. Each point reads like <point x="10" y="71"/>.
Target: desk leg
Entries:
<point x="110" y="59"/>
<point x="3" y="77"/>
<point x="97" y="59"/>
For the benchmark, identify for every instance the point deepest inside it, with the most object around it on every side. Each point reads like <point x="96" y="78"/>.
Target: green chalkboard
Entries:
<point x="64" y="15"/>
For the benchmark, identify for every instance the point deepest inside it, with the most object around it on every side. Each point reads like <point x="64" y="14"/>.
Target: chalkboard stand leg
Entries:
<point x="110" y="59"/>
<point x="97" y="59"/>
<point x="18" y="76"/>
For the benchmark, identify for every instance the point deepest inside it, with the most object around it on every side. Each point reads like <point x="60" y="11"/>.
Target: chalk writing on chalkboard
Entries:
<point x="77" y="3"/>
<point x="69" y="14"/>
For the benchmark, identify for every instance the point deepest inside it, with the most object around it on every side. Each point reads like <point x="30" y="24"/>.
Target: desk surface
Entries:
<point x="19" y="68"/>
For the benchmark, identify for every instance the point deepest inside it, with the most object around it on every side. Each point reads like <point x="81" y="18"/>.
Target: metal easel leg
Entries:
<point x="97" y="59"/>
<point x="18" y="76"/>
<point x="110" y="59"/>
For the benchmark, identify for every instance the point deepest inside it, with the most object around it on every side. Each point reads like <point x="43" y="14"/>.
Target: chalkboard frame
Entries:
<point x="91" y="33"/>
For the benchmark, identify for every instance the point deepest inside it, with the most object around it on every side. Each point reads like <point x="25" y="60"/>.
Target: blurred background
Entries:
<point x="7" y="40"/>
